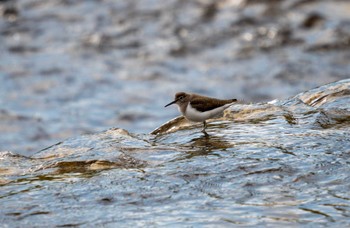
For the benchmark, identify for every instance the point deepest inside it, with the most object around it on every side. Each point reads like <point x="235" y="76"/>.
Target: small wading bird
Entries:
<point x="199" y="108"/>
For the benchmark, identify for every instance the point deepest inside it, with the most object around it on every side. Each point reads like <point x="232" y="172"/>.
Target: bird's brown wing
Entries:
<point x="203" y="104"/>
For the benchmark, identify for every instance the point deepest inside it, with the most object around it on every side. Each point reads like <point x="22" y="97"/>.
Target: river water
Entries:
<point x="82" y="90"/>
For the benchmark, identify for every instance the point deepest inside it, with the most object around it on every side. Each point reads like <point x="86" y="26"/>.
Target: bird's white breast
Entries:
<point x="197" y="116"/>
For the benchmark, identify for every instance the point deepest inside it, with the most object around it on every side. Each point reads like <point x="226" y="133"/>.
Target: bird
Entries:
<point x="199" y="108"/>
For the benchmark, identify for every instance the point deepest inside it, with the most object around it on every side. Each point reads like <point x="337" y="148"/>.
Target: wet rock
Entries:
<point x="327" y="100"/>
<point x="106" y="42"/>
<point x="327" y="94"/>
<point x="333" y="117"/>
<point x="313" y="20"/>
<point x="10" y="14"/>
<point x="262" y="155"/>
<point x="209" y="11"/>
<point x="9" y="11"/>
<point x="172" y="125"/>
<point x="22" y="49"/>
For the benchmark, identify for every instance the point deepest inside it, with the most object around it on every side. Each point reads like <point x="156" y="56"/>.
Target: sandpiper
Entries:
<point x="197" y="108"/>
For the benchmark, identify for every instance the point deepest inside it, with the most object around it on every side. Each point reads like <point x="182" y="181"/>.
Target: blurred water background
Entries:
<point x="74" y="67"/>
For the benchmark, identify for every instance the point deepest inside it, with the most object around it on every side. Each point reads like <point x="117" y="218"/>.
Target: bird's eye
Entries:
<point x="182" y="97"/>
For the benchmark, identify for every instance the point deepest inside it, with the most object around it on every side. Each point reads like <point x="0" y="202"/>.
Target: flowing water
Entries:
<point x="282" y="163"/>
<point x="85" y="140"/>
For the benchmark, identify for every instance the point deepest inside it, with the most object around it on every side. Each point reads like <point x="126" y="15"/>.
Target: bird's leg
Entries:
<point x="204" y="126"/>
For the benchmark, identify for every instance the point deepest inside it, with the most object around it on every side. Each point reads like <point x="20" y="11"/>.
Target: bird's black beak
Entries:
<point x="173" y="102"/>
